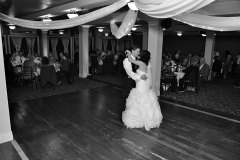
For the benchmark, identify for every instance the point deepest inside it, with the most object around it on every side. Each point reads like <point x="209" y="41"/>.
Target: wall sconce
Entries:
<point x="106" y="34"/>
<point x="12" y="26"/>
<point x="134" y="28"/>
<point x="129" y="34"/>
<point x="132" y="6"/>
<point x="100" y="29"/>
<point x="72" y="14"/>
<point x="203" y="33"/>
<point x="179" y="33"/>
<point x="61" y="31"/>
<point x="46" y="19"/>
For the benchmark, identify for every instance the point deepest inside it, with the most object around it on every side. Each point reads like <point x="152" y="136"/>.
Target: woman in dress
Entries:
<point x="142" y="107"/>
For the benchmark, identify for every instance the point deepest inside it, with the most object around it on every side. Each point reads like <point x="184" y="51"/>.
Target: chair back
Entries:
<point x="27" y="73"/>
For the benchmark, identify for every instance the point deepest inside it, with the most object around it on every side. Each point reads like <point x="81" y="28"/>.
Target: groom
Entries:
<point x="132" y="76"/>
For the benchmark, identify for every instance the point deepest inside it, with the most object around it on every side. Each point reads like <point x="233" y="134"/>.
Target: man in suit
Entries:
<point x="204" y="70"/>
<point x="129" y="82"/>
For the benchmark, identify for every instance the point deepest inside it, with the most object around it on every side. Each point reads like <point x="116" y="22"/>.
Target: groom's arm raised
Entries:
<point x="128" y="68"/>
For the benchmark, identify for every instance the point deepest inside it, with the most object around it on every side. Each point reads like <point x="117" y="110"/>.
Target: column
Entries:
<point x="5" y="126"/>
<point x="209" y="48"/>
<point x="155" y="41"/>
<point x="83" y="51"/>
<point x="44" y="43"/>
<point x="145" y="40"/>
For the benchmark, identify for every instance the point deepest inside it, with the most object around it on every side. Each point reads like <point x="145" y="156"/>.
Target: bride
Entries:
<point x="142" y="107"/>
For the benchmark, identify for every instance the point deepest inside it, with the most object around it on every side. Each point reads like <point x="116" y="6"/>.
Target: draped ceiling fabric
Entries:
<point x="68" y="23"/>
<point x="126" y="26"/>
<point x="210" y="22"/>
<point x="177" y="9"/>
<point x="169" y="8"/>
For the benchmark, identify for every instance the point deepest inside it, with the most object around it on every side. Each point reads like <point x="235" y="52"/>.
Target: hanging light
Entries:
<point x="61" y="31"/>
<point x="179" y="33"/>
<point x="100" y="29"/>
<point x="203" y="33"/>
<point x="12" y="26"/>
<point x="134" y="28"/>
<point x="132" y="5"/>
<point x="106" y="34"/>
<point x="46" y="19"/>
<point x="72" y="14"/>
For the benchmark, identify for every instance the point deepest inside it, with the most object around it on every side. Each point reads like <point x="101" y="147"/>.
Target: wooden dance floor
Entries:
<point x="86" y="125"/>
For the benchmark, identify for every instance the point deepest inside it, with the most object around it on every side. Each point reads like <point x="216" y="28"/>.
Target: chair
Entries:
<point x="192" y="83"/>
<point x="48" y="75"/>
<point x="29" y="76"/>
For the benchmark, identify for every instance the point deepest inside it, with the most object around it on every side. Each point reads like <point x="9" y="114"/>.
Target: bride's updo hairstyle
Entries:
<point x="144" y="56"/>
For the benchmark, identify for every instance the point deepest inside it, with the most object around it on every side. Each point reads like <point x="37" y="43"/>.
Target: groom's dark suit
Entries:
<point x="129" y="81"/>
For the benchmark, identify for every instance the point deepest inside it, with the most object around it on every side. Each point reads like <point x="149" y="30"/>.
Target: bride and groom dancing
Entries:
<point x="142" y="107"/>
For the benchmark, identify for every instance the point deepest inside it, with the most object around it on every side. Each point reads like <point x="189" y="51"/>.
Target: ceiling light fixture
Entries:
<point x="46" y="19"/>
<point x="203" y="33"/>
<point x="179" y="33"/>
<point x="12" y="26"/>
<point x="134" y="28"/>
<point x="132" y="5"/>
<point x="61" y="31"/>
<point x="72" y="14"/>
<point x="100" y="29"/>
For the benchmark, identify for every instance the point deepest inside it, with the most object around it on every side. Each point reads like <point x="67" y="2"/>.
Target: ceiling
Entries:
<point x="35" y="9"/>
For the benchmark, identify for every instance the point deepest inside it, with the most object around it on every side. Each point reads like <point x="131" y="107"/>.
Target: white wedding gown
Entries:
<point x="142" y="107"/>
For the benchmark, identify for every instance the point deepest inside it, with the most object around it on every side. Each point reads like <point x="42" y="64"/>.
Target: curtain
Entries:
<point x="54" y="42"/>
<point x="169" y="8"/>
<point x="68" y="23"/>
<point x="76" y="41"/>
<point x="126" y="26"/>
<point x="65" y="42"/>
<point x="127" y="44"/>
<point x="117" y="47"/>
<point x="105" y="43"/>
<point x="17" y="42"/>
<point x="90" y="44"/>
<point x="113" y="42"/>
<point x="121" y="45"/>
<point x="30" y="43"/>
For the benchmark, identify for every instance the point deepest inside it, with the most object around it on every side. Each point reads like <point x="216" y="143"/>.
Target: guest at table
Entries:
<point x="203" y="70"/>
<point x="47" y="73"/>
<point x="191" y="75"/>
<point x="64" y="66"/>
<point x="30" y="62"/>
<point x="52" y="59"/>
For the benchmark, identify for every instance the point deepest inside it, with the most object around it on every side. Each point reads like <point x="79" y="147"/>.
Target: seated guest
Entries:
<point x="47" y="73"/>
<point x="30" y="62"/>
<point x="64" y="66"/>
<point x="191" y="75"/>
<point x="52" y="59"/>
<point x="203" y="70"/>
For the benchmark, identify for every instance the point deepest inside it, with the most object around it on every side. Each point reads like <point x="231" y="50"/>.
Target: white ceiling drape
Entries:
<point x="68" y="23"/>
<point x="126" y="26"/>
<point x="169" y="8"/>
<point x="210" y="22"/>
